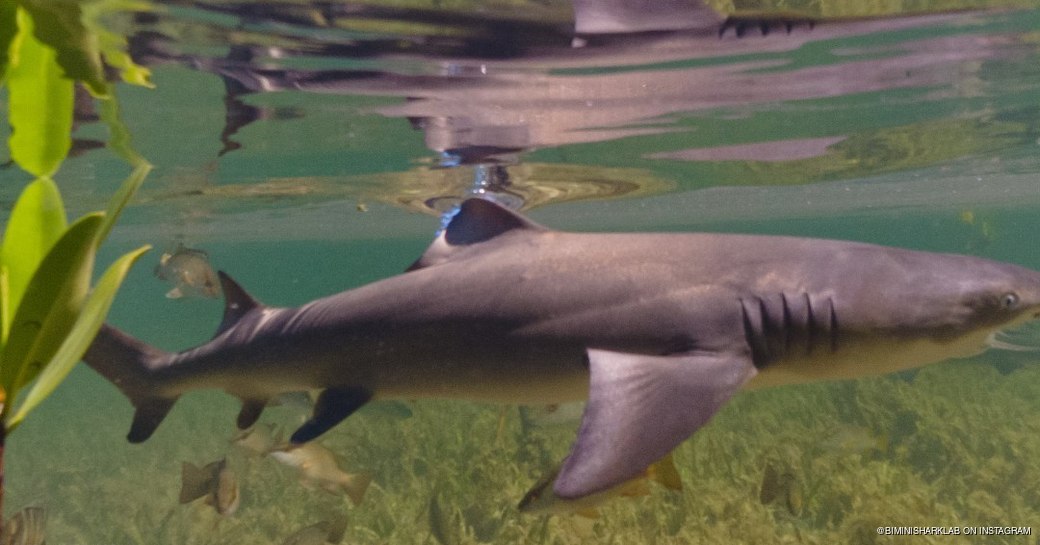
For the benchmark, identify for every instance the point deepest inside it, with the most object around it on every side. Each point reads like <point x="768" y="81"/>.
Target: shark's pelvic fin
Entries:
<point x="640" y="408"/>
<point x="332" y="406"/>
<point x="237" y="303"/>
<point x="250" y="412"/>
<point x="477" y="220"/>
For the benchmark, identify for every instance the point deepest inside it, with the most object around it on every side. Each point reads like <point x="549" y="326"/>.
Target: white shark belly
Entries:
<point x="865" y="357"/>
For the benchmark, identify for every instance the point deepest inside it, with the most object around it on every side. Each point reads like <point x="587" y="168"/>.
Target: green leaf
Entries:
<point x="39" y="105"/>
<point x="36" y="223"/>
<point x="119" y="139"/>
<point x="113" y="45"/>
<point x="51" y="304"/>
<point x="122" y="197"/>
<point x="8" y="31"/>
<point x="5" y="308"/>
<point x="79" y="338"/>
<point x="59" y="24"/>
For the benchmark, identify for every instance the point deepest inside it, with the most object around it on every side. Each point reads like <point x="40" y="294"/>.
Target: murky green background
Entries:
<point x="308" y="150"/>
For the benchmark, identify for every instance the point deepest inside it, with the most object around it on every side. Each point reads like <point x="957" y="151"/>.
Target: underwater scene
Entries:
<point x="304" y="148"/>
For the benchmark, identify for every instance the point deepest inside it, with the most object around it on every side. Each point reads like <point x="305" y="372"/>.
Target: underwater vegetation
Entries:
<point x="947" y="445"/>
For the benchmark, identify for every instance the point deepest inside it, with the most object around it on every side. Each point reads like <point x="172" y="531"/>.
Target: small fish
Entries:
<point x="327" y="531"/>
<point x="781" y="486"/>
<point x="26" y="527"/>
<point x="552" y="415"/>
<point x="542" y="500"/>
<point x="301" y="401"/>
<point x="444" y="524"/>
<point x="257" y="440"/>
<point x="318" y="466"/>
<point x="854" y="440"/>
<point x="983" y="233"/>
<point x="215" y="481"/>
<point x="190" y="273"/>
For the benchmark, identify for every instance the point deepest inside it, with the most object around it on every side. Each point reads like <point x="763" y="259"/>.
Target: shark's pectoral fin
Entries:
<point x="250" y="412"/>
<point x="640" y="408"/>
<point x="332" y="406"/>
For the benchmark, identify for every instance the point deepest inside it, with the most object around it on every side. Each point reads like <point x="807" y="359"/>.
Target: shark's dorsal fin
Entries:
<point x="237" y="303"/>
<point x="477" y="220"/>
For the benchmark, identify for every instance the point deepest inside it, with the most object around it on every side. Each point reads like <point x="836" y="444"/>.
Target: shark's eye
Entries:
<point x="1009" y="301"/>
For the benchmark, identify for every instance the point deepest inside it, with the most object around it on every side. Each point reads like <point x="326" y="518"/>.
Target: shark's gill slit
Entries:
<point x="810" y="326"/>
<point x="833" y="324"/>
<point x="767" y="330"/>
<point x="788" y="325"/>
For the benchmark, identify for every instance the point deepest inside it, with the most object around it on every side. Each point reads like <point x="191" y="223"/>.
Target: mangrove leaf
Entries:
<point x="59" y="24"/>
<point x="36" y="223"/>
<point x="52" y="303"/>
<point x="40" y="102"/>
<point x="79" y="338"/>
<point x="119" y="139"/>
<point x="114" y="45"/>
<point x="122" y="197"/>
<point x="8" y="31"/>
<point x="5" y="309"/>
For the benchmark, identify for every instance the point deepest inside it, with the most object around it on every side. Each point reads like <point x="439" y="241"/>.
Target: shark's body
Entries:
<point x="656" y="330"/>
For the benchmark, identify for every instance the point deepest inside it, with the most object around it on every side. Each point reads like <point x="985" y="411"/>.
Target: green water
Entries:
<point x="923" y="137"/>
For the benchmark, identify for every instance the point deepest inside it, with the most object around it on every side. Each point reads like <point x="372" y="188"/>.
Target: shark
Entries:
<point x="657" y="331"/>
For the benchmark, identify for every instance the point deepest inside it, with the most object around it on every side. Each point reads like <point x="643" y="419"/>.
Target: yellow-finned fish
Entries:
<point x="189" y="271"/>
<point x="319" y="467"/>
<point x="26" y="527"/>
<point x="542" y="500"/>
<point x="215" y="481"/>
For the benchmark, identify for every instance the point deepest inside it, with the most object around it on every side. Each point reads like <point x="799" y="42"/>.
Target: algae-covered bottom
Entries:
<point x="951" y="445"/>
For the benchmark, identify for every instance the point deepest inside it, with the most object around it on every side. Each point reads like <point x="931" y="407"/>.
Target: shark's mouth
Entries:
<point x="1022" y="338"/>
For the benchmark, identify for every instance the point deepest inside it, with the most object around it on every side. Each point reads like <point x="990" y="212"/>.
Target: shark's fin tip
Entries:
<point x="477" y="220"/>
<point x="332" y="406"/>
<point x="237" y="302"/>
<point x="149" y="414"/>
<point x="250" y="412"/>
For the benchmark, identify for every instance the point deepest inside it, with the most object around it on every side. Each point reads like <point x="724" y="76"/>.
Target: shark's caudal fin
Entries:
<point x="477" y="220"/>
<point x="127" y="362"/>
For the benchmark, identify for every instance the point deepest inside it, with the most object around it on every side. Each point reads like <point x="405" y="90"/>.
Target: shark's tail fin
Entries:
<point x="128" y="363"/>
